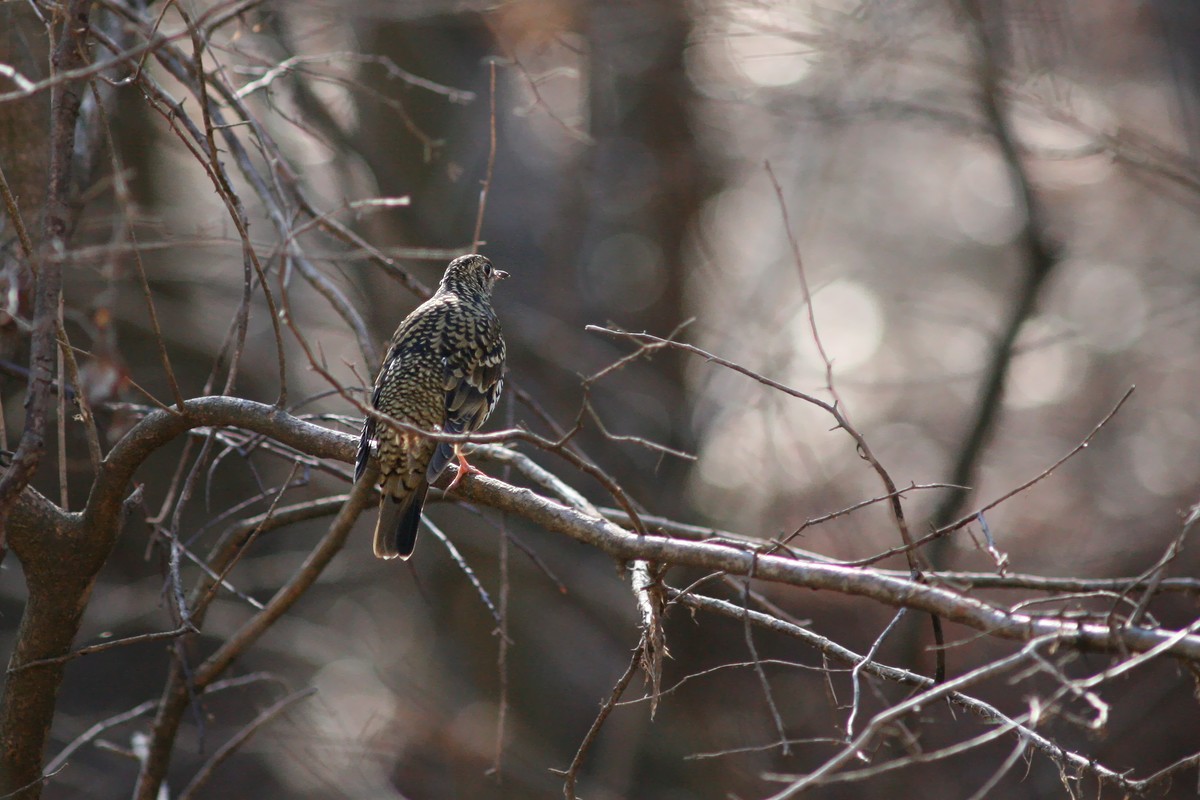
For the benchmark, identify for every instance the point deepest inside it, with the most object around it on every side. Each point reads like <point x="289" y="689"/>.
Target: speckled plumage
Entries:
<point x="443" y="372"/>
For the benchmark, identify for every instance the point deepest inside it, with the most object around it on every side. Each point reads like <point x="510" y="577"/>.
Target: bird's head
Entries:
<point x="472" y="275"/>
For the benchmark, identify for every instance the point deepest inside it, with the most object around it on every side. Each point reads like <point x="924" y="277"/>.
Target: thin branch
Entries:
<point x="477" y="239"/>
<point x="833" y="650"/>
<point x="163" y="356"/>
<point x="1039" y="260"/>
<point x="964" y="521"/>
<point x="91" y="435"/>
<point x="60" y="760"/>
<point x="101" y="647"/>
<point x="889" y="590"/>
<point x="462" y="564"/>
<point x="176" y="696"/>
<point x="1155" y="575"/>
<point x="230" y="747"/>
<point x="748" y="637"/>
<point x="1017" y="752"/>
<point x="841" y="413"/>
<point x="572" y="772"/>
<point x="540" y="102"/>
<point x="856" y="673"/>
<point x="202" y="597"/>
<point x="460" y="96"/>
<point x="884" y="718"/>
<point x="501" y="632"/>
<point x="866" y="773"/>
<point x="61" y="416"/>
<point x="160" y="427"/>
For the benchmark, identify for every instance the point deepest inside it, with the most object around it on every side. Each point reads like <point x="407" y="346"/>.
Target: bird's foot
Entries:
<point x="463" y="470"/>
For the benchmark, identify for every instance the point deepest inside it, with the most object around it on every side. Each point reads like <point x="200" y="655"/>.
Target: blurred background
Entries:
<point x="953" y="176"/>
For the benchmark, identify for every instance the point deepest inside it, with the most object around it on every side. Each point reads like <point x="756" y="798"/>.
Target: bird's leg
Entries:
<point x="463" y="470"/>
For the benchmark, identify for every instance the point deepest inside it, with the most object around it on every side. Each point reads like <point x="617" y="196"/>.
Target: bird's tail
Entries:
<point x="399" y="518"/>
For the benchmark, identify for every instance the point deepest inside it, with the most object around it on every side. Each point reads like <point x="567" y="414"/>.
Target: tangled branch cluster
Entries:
<point x="100" y="48"/>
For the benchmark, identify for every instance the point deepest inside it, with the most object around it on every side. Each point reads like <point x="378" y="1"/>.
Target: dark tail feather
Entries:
<point x="441" y="459"/>
<point x="445" y="451"/>
<point x="399" y="519"/>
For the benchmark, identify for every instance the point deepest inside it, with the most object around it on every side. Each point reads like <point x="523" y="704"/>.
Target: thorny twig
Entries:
<point x="880" y="721"/>
<point x="964" y="521"/>
<point x="832" y="649"/>
<point x="571" y="774"/>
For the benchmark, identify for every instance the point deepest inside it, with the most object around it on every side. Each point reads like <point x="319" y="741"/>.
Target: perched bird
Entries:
<point x="443" y="372"/>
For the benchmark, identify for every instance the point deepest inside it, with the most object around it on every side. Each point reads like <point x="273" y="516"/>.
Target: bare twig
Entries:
<point x="176" y="696"/>
<point x="1017" y="752"/>
<point x="837" y="652"/>
<point x="964" y="521"/>
<point x="101" y="647"/>
<point x="462" y="564"/>
<point x="578" y="134"/>
<point x="393" y="70"/>
<point x="856" y="673"/>
<point x="231" y="746"/>
<point x="768" y="695"/>
<point x="884" y="718"/>
<point x="477" y="239"/>
<point x="60" y="760"/>
<point x="1040" y="260"/>
<point x="496" y="769"/>
<point x="1154" y="576"/>
<point x="67" y="358"/>
<point x="839" y="411"/>
<point x="572" y="772"/>
<point x="834" y="410"/>
<point x="154" y="325"/>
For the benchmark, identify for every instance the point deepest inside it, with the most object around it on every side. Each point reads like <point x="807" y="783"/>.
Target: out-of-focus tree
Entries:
<point x="842" y="297"/>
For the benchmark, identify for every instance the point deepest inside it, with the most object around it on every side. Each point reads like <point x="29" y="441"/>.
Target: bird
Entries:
<point x="443" y="372"/>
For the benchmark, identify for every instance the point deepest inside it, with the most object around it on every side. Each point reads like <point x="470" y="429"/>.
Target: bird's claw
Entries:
<point x="463" y="470"/>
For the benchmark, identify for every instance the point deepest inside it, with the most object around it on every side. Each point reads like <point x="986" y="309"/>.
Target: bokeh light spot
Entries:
<point x="981" y="201"/>
<point x="850" y="321"/>
<point x="1047" y="366"/>
<point x="1106" y="304"/>
<point x="626" y="270"/>
<point x="767" y="59"/>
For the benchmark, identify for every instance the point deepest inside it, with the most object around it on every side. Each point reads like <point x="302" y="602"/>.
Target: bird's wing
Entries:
<point x="473" y="381"/>
<point x="367" y="438"/>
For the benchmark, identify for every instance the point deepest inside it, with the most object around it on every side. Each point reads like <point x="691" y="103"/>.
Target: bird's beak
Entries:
<point x="500" y="274"/>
